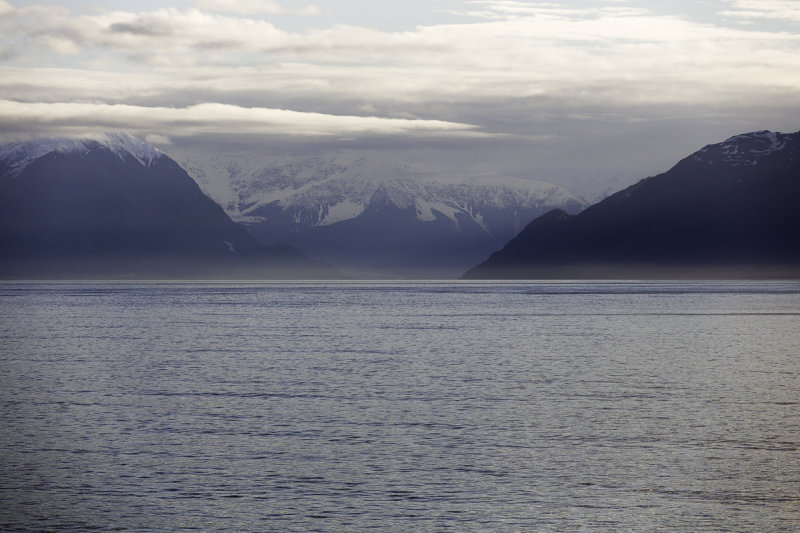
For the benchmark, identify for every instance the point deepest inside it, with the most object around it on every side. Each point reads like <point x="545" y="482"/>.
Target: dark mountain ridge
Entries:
<point x="117" y="208"/>
<point x="728" y="210"/>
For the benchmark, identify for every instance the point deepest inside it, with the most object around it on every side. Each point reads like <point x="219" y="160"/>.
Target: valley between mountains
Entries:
<point x="116" y="207"/>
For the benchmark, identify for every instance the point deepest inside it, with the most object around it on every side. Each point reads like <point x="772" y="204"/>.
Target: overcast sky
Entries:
<point x="586" y="93"/>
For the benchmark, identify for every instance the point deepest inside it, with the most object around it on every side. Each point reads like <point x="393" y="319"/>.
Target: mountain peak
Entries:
<point x="97" y="208"/>
<point x="123" y="143"/>
<point x="19" y="155"/>
<point x="746" y="149"/>
<point x="727" y="212"/>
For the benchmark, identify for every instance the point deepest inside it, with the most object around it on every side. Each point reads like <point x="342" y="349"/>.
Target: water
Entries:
<point x="400" y="406"/>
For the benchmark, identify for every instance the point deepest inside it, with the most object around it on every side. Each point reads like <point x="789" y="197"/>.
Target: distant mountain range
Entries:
<point x="377" y="218"/>
<point x="728" y="210"/>
<point x="115" y="207"/>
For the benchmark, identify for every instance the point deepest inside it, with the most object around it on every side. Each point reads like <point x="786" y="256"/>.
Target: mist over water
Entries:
<point x="551" y="406"/>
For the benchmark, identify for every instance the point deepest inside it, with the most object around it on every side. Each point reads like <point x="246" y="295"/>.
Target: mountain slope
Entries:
<point x="729" y="210"/>
<point x="117" y="207"/>
<point x="378" y="218"/>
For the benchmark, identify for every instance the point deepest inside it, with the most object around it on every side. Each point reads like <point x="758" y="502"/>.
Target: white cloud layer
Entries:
<point x="256" y="7"/>
<point x="72" y="119"/>
<point x="536" y="49"/>
<point x="783" y="10"/>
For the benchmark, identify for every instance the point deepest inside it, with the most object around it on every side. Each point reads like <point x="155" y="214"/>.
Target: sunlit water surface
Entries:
<point x="400" y="406"/>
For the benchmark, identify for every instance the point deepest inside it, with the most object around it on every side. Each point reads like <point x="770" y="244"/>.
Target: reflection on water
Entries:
<point x="417" y="406"/>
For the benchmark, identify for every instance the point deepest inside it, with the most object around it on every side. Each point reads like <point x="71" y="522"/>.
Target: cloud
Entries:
<point x="187" y="34"/>
<point x="509" y="9"/>
<point x="171" y="37"/>
<point x="78" y="119"/>
<point x="781" y="10"/>
<point x="533" y="42"/>
<point x="164" y="36"/>
<point x="256" y="7"/>
<point x="517" y="63"/>
<point x="156" y="138"/>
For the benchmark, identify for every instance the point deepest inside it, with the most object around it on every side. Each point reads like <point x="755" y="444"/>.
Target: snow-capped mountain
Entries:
<point x="728" y="210"/>
<point x="746" y="149"/>
<point x="113" y="206"/>
<point x="17" y="156"/>
<point x="376" y="217"/>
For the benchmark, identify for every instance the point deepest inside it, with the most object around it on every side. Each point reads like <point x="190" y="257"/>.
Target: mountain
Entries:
<point x="116" y="207"/>
<point x="728" y="210"/>
<point x="377" y="218"/>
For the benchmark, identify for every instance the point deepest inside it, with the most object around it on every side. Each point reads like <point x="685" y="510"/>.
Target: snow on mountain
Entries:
<point x="19" y="155"/>
<point x="744" y="149"/>
<point x="370" y="215"/>
<point x="325" y="190"/>
<point x="124" y="144"/>
<point x="335" y="187"/>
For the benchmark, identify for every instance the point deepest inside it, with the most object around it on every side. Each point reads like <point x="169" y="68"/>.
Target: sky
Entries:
<point x="589" y="94"/>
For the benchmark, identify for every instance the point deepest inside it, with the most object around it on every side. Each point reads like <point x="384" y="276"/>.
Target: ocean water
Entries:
<point x="572" y="406"/>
